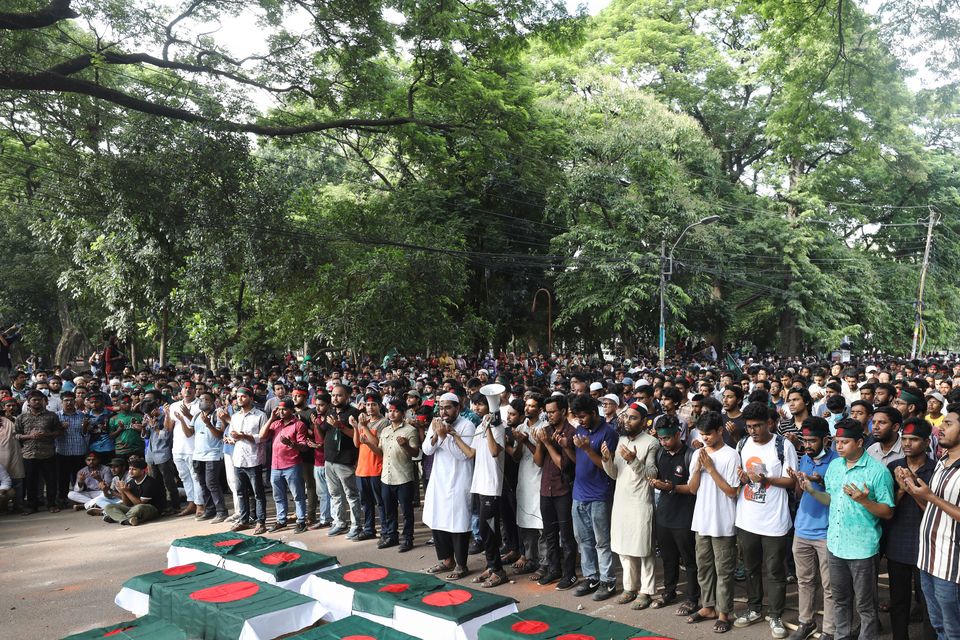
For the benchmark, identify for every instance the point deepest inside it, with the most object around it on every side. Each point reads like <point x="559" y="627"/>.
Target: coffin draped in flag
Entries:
<point x="550" y="623"/>
<point x="351" y="628"/>
<point x="143" y="628"/>
<point x="216" y="604"/>
<point x="419" y="604"/>
<point x="258" y="557"/>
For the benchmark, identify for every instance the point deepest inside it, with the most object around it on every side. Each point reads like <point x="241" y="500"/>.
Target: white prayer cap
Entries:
<point x="596" y="386"/>
<point x="612" y="397"/>
<point x="450" y="397"/>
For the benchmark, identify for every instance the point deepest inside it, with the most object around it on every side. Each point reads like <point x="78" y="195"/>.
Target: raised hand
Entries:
<point x="706" y="461"/>
<point x="605" y="451"/>
<point x="402" y="441"/>
<point x="856" y="494"/>
<point x="629" y="455"/>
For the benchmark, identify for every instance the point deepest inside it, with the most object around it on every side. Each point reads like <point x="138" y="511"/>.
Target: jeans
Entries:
<point x="67" y="468"/>
<point x="813" y="568"/>
<point x="591" y="528"/>
<point x="342" y="483"/>
<point x="166" y="472"/>
<point x="488" y="510"/>
<point x="323" y="493"/>
<point x="394" y="495"/>
<point x="37" y="470"/>
<point x="184" y="464"/>
<point x="371" y="502"/>
<point x="943" y="605"/>
<point x="678" y="545"/>
<point x="767" y="553"/>
<point x="310" y="486"/>
<point x="250" y="479"/>
<point x="716" y="562"/>
<point x="854" y="584"/>
<point x="280" y="480"/>
<point x="904" y="578"/>
<point x="211" y="493"/>
<point x="558" y="535"/>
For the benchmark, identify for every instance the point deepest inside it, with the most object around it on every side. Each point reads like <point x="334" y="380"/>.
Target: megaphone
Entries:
<point x="493" y="391"/>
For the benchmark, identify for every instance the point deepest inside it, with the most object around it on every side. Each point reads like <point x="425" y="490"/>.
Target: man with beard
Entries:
<point x="670" y="400"/>
<point x="884" y="393"/>
<point x="810" y="533"/>
<point x="632" y="465"/>
<point x="249" y="457"/>
<point x="901" y="534"/>
<point x="300" y="396"/>
<point x="207" y="432"/>
<point x="183" y="444"/>
<point x="886" y="447"/>
<point x="398" y="443"/>
<point x="289" y="442"/>
<point x="142" y="498"/>
<point x="735" y="429"/>
<point x="37" y="429"/>
<point x="859" y="492"/>
<point x="340" y="460"/>
<point x="530" y="416"/>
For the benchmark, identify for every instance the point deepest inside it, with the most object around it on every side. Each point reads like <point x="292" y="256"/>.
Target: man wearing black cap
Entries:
<point x="143" y="498"/>
<point x="810" y="532"/>
<point x="859" y="492"/>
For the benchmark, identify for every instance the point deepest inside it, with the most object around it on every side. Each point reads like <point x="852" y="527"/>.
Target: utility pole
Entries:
<point x="662" y="339"/>
<point x="918" y="315"/>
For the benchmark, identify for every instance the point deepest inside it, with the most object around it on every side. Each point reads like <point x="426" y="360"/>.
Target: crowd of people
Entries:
<point x="768" y="472"/>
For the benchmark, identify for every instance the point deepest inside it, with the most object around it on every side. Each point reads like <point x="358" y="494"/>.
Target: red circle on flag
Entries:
<point x="230" y="592"/>
<point x="118" y="630"/>
<point x="279" y="557"/>
<point x="575" y="636"/>
<point x="180" y="570"/>
<point x="398" y="587"/>
<point x="446" y="598"/>
<point x="529" y="626"/>
<point x="358" y="638"/>
<point x="228" y="543"/>
<point x="366" y="575"/>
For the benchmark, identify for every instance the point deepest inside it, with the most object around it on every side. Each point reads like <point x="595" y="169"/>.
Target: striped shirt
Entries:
<point x="939" y="533"/>
<point x="73" y="442"/>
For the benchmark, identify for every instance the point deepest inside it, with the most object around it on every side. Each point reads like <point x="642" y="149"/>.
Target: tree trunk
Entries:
<point x="164" y="327"/>
<point x="787" y="320"/>
<point x="71" y="338"/>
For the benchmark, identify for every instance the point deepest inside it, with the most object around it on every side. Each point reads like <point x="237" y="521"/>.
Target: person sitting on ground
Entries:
<point x="110" y="488"/>
<point x="7" y="492"/>
<point x="143" y="498"/>
<point x="86" y="488"/>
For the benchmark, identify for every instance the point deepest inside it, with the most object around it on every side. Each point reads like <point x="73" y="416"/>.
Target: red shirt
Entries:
<point x="284" y="456"/>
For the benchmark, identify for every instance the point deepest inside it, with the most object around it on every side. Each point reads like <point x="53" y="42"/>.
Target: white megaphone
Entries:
<point x="493" y="391"/>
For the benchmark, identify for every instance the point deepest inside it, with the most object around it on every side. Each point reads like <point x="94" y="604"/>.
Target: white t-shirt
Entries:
<point x="182" y="445"/>
<point x="487" y="470"/>
<point x="765" y="510"/>
<point x="715" y="513"/>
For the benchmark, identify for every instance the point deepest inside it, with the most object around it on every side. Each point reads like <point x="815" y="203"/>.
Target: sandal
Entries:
<point x="439" y="568"/>
<point x="510" y="557"/>
<point x="521" y="562"/>
<point x="721" y="626"/>
<point x="665" y="600"/>
<point x="457" y="573"/>
<point x="525" y="567"/>
<point x="687" y="608"/>
<point x="643" y="601"/>
<point x="496" y="578"/>
<point x="537" y="575"/>
<point x="482" y="577"/>
<point x="699" y="617"/>
<point x="626" y="597"/>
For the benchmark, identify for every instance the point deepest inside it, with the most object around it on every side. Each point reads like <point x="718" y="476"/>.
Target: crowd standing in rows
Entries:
<point x="776" y="472"/>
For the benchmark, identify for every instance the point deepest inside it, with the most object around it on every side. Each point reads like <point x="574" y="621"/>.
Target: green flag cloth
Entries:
<point x="352" y="628"/>
<point x="733" y="366"/>
<point x="280" y="560"/>
<point x="377" y="589"/>
<point x="547" y="623"/>
<point x="151" y="627"/>
<point x="210" y="602"/>
<point x="457" y="604"/>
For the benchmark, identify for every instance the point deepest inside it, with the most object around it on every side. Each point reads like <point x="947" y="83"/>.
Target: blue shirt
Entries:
<point x="854" y="532"/>
<point x="207" y="446"/>
<point x="101" y="442"/>
<point x="812" y="516"/>
<point x="590" y="482"/>
<point x="73" y="442"/>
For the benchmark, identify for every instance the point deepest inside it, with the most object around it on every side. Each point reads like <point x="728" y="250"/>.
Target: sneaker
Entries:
<point x="108" y="520"/>
<point x="240" y="526"/>
<point x="363" y="535"/>
<point x="95" y="511"/>
<point x="803" y="631"/>
<point x="386" y="543"/>
<point x="235" y="517"/>
<point x="279" y="526"/>
<point x="777" y="630"/>
<point x="589" y="586"/>
<point x="747" y="619"/>
<point x="605" y="591"/>
<point x="134" y="521"/>
<point x="548" y="578"/>
<point x="301" y="527"/>
<point x="354" y="534"/>
<point x="405" y="546"/>
<point x="566" y="584"/>
<point x="205" y="516"/>
<point x="218" y="519"/>
<point x="260" y="530"/>
<point x="337" y="530"/>
<point x="320" y="525"/>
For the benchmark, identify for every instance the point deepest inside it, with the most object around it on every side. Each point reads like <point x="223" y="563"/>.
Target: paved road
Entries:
<point x="61" y="572"/>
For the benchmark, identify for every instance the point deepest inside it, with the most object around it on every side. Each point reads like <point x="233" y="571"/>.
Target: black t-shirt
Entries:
<point x="731" y="439"/>
<point x="337" y="445"/>
<point x="150" y="491"/>
<point x="675" y="510"/>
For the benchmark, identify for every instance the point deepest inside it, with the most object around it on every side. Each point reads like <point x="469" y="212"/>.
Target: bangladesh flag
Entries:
<point x="352" y="628"/>
<point x="258" y="557"/>
<point x="142" y="628"/>
<point x="550" y="623"/>
<point x="216" y="604"/>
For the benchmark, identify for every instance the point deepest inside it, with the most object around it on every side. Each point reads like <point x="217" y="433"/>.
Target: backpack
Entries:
<point x="687" y="457"/>
<point x="779" y="441"/>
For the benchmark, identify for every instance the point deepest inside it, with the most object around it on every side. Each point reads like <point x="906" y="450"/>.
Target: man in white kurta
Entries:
<point x="528" y="488"/>
<point x="446" y="507"/>
<point x="631" y="524"/>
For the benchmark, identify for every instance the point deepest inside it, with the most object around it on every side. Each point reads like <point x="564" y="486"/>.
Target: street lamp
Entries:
<point x="666" y="270"/>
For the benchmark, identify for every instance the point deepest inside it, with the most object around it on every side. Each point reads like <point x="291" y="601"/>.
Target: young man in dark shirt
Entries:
<point x="143" y="498"/>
